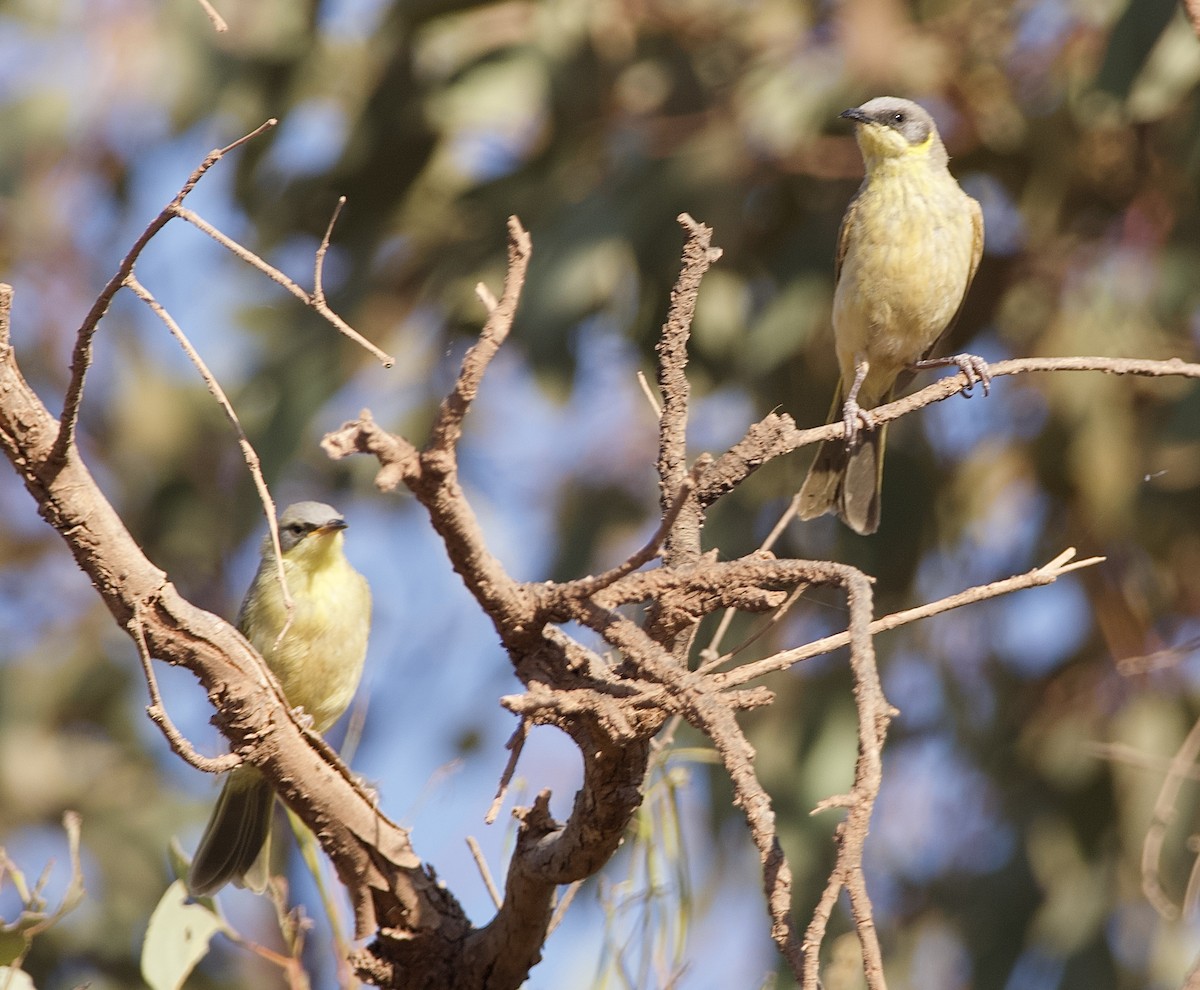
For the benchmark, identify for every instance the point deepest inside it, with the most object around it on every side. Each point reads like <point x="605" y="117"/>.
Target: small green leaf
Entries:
<point x="176" y="939"/>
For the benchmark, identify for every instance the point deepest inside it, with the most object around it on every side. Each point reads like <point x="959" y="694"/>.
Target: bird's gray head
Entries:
<point x="889" y="127"/>
<point x="300" y="520"/>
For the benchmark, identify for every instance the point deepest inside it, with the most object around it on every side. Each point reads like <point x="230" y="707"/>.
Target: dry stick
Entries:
<point x="484" y="871"/>
<point x="432" y="474"/>
<point x="262" y="673"/>
<point x="158" y="712"/>
<point x="218" y="22"/>
<point x="1047" y="574"/>
<point x="651" y="398"/>
<point x="1165" y="811"/>
<point x="776" y="434"/>
<point x="874" y="714"/>
<point x="709" y="654"/>
<point x="310" y="299"/>
<point x="560" y="909"/>
<point x="515" y="745"/>
<point x="249" y="454"/>
<point x="737" y="756"/>
<point x="448" y="426"/>
<point x="772" y="620"/>
<point x="588" y="586"/>
<point x="714" y="716"/>
<point x="683" y="543"/>
<point x="81" y="357"/>
<point x="1131" y="756"/>
<point x="322" y="250"/>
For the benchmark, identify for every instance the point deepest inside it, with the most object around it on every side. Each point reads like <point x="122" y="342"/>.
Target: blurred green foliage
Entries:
<point x="1031" y="758"/>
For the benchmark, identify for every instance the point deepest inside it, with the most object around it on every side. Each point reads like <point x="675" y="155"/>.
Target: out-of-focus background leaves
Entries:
<point x="1022" y="771"/>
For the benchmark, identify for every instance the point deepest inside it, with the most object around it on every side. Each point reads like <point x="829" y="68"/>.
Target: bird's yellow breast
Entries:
<point x="908" y="259"/>
<point x="320" y="658"/>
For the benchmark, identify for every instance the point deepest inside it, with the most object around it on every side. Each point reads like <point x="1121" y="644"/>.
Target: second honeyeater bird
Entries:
<point x="318" y="662"/>
<point x="907" y="251"/>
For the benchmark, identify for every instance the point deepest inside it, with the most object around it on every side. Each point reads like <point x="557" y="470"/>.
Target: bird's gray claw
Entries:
<point x="854" y="418"/>
<point x="975" y="369"/>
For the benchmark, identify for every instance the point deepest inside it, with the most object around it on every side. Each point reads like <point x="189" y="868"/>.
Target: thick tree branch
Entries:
<point x="372" y="855"/>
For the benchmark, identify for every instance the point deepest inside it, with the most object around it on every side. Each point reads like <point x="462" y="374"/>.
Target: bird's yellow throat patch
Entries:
<point x="922" y="148"/>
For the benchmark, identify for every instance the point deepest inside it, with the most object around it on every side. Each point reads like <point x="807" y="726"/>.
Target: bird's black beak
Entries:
<point x="331" y="527"/>
<point x="855" y="114"/>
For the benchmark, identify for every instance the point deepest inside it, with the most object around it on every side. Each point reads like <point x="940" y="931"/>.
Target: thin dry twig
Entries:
<point x="709" y="655"/>
<point x="448" y="427"/>
<point x="158" y="712"/>
<point x="249" y="454"/>
<point x="560" y="909"/>
<point x="485" y="871"/>
<point x="322" y="250"/>
<point x="777" y="434"/>
<point x="310" y="299"/>
<point x="1165" y="812"/>
<point x="648" y="392"/>
<point x="1046" y="574"/>
<point x="589" y="586"/>
<point x="81" y="357"/>
<point x="218" y="22"/>
<point x="874" y="716"/>
<point x="515" y="745"/>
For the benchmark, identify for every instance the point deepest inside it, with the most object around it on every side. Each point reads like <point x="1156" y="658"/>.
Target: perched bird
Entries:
<point x="318" y="662"/>
<point x="908" y="248"/>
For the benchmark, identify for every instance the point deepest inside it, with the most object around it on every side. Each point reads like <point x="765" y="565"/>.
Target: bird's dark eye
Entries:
<point x="898" y="117"/>
<point x="296" y="528"/>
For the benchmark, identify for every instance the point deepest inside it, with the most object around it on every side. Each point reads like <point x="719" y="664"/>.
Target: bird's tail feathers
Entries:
<point x="236" y="836"/>
<point x="846" y="480"/>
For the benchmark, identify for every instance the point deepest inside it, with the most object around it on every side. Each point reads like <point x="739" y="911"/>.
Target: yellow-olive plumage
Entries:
<point x="908" y="248"/>
<point x="318" y="662"/>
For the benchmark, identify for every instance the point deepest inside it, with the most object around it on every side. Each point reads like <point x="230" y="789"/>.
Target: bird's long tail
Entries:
<point x="846" y="480"/>
<point x="236" y="835"/>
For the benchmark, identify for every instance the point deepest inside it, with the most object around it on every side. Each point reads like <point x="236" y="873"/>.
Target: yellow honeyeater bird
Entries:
<point x="907" y="251"/>
<point x="318" y="662"/>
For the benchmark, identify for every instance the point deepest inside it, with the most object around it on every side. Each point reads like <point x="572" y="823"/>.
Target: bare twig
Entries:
<point x="515" y="745"/>
<point x="737" y="756"/>
<point x="764" y="627"/>
<point x="448" y="427"/>
<point x="158" y="712"/>
<point x="81" y="357"/>
<point x="709" y="655"/>
<point x="560" y="909"/>
<point x="218" y="22"/>
<point x="1165" y="812"/>
<point x="874" y="715"/>
<point x="310" y="299"/>
<point x="586" y="587"/>
<point x="648" y="392"/>
<point x="249" y="454"/>
<point x="777" y="434"/>
<point x="1046" y="574"/>
<point x="322" y="250"/>
<point x="484" y="871"/>
<point x="698" y="257"/>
